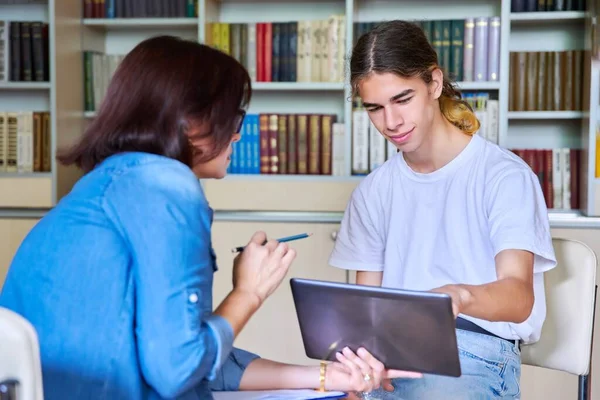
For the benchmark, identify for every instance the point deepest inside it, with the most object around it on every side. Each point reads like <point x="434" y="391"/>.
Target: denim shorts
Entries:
<point x="491" y="369"/>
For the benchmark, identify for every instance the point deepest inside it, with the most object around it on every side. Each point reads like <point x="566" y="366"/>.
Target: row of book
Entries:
<point x="468" y="49"/>
<point x="140" y="8"/>
<point x="314" y="144"/>
<point x="547" y="5"/>
<point x="25" y="141"/>
<point x="98" y="69"/>
<point x="288" y="144"/>
<point x="559" y="173"/>
<point x="546" y="81"/>
<point x="24" y="51"/>
<point x="297" y="51"/>
<point x="487" y="111"/>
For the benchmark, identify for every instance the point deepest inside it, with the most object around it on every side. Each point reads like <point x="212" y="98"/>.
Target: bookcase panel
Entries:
<point x="237" y="11"/>
<point x="122" y="42"/>
<point x="301" y="102"/>
<point x="25" y="100"/>
<point x="281" y="194"/>
<point x="547" y="133"/>
<point x="381" y="10"/>
<point x="26" y="192"/>
<point x="547" y="37"/>
<point x="24" y="12"/>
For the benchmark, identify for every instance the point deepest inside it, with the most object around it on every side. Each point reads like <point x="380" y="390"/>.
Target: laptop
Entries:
<point x="404" y="329"/>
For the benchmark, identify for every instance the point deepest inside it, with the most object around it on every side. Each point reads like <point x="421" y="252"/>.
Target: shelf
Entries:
<point x="317" y="86"/>
<point x="139" y="23"/>
<point x="478" y="85"/>
<point x="25" y="85"/>
<point x="89" y="114"/>
<point x="263" y="192"/>
<point x="547" y="17"/>
<point x="25" y="174"/>
<point x="545" y="115"/>
<point x="27" y="190"/>
<point x="292" y="178"/>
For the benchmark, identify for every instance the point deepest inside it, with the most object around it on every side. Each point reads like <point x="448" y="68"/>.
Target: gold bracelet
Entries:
<point x="323" y="369"/>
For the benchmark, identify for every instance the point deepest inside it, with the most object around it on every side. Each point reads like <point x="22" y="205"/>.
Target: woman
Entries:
<point x="451" y="212"/>
<point x="117" y="278"/>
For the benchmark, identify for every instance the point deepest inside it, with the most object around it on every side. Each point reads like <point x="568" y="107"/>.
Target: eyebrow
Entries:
<point x="393" y="98"/>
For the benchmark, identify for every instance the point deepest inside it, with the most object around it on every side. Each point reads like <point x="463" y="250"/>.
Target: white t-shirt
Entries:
<point x="427" y="230"/>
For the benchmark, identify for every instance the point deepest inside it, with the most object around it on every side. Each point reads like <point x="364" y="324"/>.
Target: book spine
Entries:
<point x="480" y="66"/>
<point x="493" y="52"/>
<point x="469" y="50"/>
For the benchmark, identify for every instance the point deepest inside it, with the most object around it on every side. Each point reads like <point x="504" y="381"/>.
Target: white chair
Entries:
<point x="566" y="342"/>
<point x="20" y="366"/>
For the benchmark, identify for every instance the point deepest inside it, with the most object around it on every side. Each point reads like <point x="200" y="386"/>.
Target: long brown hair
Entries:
<point x="401" y="48"/>
<point x="164" y="91"/>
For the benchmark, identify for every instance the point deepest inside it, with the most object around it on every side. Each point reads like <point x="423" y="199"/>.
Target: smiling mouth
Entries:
<point x="400" y="137"/>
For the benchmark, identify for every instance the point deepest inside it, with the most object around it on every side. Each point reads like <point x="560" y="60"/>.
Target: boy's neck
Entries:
<point x="444" y="143"/>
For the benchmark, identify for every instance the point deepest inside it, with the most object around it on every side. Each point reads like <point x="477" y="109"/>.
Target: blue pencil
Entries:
<point x="282" y="240"/>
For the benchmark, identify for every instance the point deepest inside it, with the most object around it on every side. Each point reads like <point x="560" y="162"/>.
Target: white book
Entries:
<point x="377" y="147"/>
<point x="482" y="117"/>
<point x="333" y="35"/>
<point x="491" y="117"/>
<point x="300" y="51"/>
<point x="338" y="162"/>
<point x="566" y="177"/>
<point x="557" y="179"/>
<point x="360" y="142"/>
<point x="341" y="48"/>
<point x="25" y="141"/>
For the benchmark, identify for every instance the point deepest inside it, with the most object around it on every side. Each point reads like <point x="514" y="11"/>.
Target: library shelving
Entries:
<point x="298" y="86"/>
<point x="38" y="100"/>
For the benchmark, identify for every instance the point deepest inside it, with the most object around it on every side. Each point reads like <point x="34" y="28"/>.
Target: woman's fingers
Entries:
<point x="356" y="375"/>
<point x="374" y="364"/>
<point x="271" y="245"/>
<point x="259" y="238"/>
<point x="371" y="379"/>
<point x="394" y="373"/>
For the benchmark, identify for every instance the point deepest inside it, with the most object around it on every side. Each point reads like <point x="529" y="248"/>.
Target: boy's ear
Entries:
<point x="437" y="83"/>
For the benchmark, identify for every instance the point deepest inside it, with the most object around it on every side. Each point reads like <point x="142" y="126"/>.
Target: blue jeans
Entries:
<point x="491" y="369"/>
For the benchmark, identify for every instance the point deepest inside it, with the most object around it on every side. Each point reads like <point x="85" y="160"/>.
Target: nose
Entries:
<point x="236" y="137"/>
<point x="393" y="119"/>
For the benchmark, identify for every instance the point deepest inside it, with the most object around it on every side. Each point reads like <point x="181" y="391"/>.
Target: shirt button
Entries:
<point x="193" y="298"/>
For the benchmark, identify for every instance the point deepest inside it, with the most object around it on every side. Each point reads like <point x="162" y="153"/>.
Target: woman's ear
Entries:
<point x="437" y="83"/>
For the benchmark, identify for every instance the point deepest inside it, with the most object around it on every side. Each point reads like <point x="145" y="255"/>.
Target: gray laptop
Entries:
<point x="406" y="330"/>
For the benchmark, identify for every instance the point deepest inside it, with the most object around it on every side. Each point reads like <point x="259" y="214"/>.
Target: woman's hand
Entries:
<point x="260" y="268"/>
<point x="361" y="372"/>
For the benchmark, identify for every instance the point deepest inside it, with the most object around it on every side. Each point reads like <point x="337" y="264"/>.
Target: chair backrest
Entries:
<point x="20" y="355"/>
<point x="565" y="343"/>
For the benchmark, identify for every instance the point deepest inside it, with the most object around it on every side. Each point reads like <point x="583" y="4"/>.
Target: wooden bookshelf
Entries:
<point x="561" y="30"/>
<point x="57" y="95"/>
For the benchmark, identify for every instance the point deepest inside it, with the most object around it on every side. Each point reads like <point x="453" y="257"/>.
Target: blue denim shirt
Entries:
<point x="117" y="280"/>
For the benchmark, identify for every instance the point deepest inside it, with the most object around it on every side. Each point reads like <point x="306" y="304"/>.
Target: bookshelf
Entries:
<point x="116" y="31"/>
<point x="32" y="104"/>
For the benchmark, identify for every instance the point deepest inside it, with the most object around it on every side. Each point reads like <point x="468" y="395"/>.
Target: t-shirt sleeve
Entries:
<point x="518" y="218"/>
<point x="359" y="244"/>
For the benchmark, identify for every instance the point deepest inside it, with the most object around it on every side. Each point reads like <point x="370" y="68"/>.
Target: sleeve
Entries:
<point x="228" y="378"/>
<point x="359" y="244"/>
<point x="518" y="218"/>
<point x="165" y="220"/>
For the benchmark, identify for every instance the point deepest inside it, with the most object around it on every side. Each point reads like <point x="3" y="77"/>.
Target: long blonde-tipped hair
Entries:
<point x="401" y="48"/>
